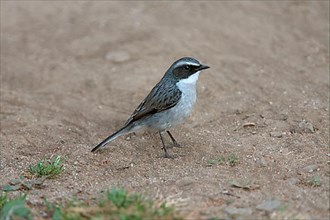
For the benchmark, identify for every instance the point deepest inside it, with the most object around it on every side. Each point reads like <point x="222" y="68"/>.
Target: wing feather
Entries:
<point x="162" y="97"/>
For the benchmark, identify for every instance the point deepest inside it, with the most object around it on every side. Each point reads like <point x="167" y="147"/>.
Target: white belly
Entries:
<point x="176" y="115"/>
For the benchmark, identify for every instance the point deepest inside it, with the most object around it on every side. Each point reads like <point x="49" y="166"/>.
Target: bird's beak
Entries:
<point x="203" y="67"/>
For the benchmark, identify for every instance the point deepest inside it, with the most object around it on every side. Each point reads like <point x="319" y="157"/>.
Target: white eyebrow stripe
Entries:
<point x="193" y="64"/>
<point x="181" y="63"/>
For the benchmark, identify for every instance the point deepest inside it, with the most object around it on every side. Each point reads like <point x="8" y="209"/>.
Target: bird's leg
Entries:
<point x="175" y="144"/>
<point x="164" y="147"/>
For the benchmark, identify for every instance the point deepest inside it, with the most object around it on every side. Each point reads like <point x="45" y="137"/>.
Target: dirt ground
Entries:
<point x="73" y="72"/>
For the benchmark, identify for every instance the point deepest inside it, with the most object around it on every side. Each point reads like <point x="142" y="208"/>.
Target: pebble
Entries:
<point x="185" y="181"/>
<point x="117" y="56"/>
<point x="283" y="117"/>
<point x="249" y="124"/>
<point x="310" y="168"/>
<point x="306" y="127"/>
<point x="238" y="211"/>
<point x="269" y="205"/>
<point x="261" y="162"/>
<point x="293" y="181"/>
<point x="276" y="134"/>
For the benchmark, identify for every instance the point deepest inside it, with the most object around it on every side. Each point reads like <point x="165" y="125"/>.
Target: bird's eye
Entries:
<point x="187" y="67"/>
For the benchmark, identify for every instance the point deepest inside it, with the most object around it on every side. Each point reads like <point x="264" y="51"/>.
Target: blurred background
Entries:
<point x="73" y="71"/>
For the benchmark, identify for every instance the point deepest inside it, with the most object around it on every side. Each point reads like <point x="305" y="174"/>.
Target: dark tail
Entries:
<point x="112" y="137"/>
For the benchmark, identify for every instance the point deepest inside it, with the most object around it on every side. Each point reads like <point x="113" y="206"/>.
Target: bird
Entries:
<point x="167" y="105"/>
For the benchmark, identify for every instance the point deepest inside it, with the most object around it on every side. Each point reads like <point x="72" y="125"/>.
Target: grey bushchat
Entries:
<point x="167" y="105"/>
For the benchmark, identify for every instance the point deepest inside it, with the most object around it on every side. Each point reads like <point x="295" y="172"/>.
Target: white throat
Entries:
<point x="190" y="80"/>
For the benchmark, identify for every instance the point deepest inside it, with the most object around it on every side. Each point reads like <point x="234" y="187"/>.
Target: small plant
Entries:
<point x="219" y="160"/>
<point x="116" y="204"/>
<point x="119" y="204"/>
<point x="23" y="183"/>
<point x="232" y="160"/>
<point x="314" y="181"/>
<point x="49" y="169"/>
<point x="53" y="210"/>
<point x="120" y="198"/>
<point x="3" y="199"/>
<point x="14" y="208"/>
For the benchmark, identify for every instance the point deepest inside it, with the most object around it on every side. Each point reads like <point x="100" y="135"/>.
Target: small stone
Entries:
<point x="238" y="211"/>
<point x="269" y="205"/>
<point x="306" y="127"/>
<point x="282" y="117"/>
<point x="249" y="124"/>
<point x="117" y="56"/>
<point x="310" y="168"/>
<point x="261" y="162"/>
<point x="185" y="181"/>
<point x="244" y="184"/>
<point x="276" y="134"/>
<point x="293" y="181"/>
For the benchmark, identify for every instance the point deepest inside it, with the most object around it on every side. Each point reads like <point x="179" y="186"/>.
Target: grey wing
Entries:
<point x="162" y="97"/>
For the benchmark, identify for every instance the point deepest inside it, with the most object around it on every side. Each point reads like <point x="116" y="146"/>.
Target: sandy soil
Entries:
<point x="72" y="73"/>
